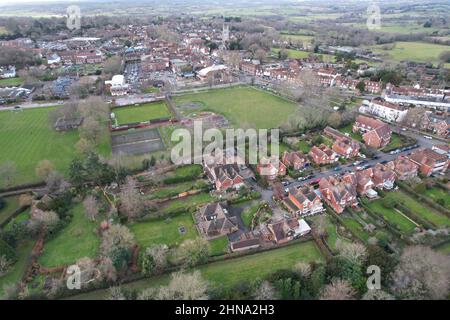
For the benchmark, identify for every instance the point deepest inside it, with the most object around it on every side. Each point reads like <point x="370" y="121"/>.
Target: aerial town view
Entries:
<point x="225" y="150"/>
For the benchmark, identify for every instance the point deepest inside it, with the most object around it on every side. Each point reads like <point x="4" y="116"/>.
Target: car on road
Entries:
<point x="337" y="169"/>
<point x="315" y="181"/>
<point x="356" y="163"/>
<point x="428" y="137"/>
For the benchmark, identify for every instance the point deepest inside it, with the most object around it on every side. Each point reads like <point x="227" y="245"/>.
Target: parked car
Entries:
<point x="428" y="137"/>
<point x="337" y="169"/>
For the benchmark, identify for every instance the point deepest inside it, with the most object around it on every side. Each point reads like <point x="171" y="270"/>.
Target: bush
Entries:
<point x="388" y="203"/>
<point x="2" y="203"/>
<point x="440" y="202"/>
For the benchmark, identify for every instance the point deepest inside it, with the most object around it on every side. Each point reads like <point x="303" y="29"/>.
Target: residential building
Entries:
<point x="303" y="201"/>
<point x="339" y="192"/>
<point x="288" y="229"/>
<point x="429" y="161"/>
<point x="271" y="168"/>
<point x="403" y="167"/>
<point x="323" y="155"/>
<point x="390" y="111"/>
<point x="214" y="221"/>
<point x="117" y="85"/>
<point x="375" y="133"/>
<point x="295" y="160"/>
<point x="224" y="176"/>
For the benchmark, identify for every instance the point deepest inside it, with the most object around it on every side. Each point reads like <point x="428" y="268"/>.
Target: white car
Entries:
<point x="428" y="137"/>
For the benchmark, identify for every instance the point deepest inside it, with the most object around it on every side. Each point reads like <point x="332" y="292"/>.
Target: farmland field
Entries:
<point x="164" y="231"/>
<point x="415" y="51"/>
<point x="26" y="137"/>
<point x="75" y="241"/>
<point x="243" y="106"/>
<point x="142" y="113"/>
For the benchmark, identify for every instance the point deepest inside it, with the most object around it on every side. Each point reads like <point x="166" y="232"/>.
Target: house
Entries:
<point x="383" y="177"/>
<point x="117" y="85"/>
<point x="339" y="192"/>
<point x="403" y="168"/>
<point x="63" y="124"/>
<point x="7" y="72"/>
<point x="375" y="133"/>
<point x="429" y="161"/>
<point x="323" y="154"/>
<point x="214" y="221"/>
<point x="346" y="147"/>
<point x="390" y="111"/>
<point x="442" y="149"/>
<point x="279" y="192"/>
<point x="364" y="181"/>
<point x="246" y="241"/>
<point x="217" y="73"/>
<point x="227" y="177"/>
<point x="303" y="201"/>
<point x="295" y="160"/>
<point x="439" y="124"/>
<point x="271" y="168"/>
<point x="288" y="229"/>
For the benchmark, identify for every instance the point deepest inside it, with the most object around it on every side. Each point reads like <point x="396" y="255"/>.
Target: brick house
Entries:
<point x="375" y="133"/>
<point x="429" y="161"/>
<point x="271" y="168"/>
<point x="339" y="192"/>
<point x="383" y="177"/>
<point x="224" y="176"/>
<point x="287" y="230"/>
<point x="214" y="221"/>
<point x="303" y="201"/>
<point x="364" y="181"/>
<point x="403" y="168"/>
<point x="323" y="154"/>
<point x="295" y="160"/>
<point x="344" y="146"/>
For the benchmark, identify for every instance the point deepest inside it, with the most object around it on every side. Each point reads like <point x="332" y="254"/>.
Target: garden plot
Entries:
<point x="136" y="141"/>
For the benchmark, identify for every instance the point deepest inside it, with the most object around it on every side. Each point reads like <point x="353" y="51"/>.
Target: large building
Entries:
<point x="429" y="161"/>
<point x="390" y="111"/>
<point x="117" y="85"/>
<point x="375" y="133"/>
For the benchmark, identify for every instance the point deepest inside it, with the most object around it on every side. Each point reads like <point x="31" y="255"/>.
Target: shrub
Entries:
<point x="2" y="203"/>
<point x="388" y="203"/>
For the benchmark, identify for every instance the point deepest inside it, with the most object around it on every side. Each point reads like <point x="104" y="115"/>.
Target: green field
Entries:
<point x="75" y="241"/>
<point x="11" y="82"/>
<point x="297" y="37"/>
<point x="300" y="54"/>
<point x="194" y="200"/>
<point x="392" y="216"/>
<point x="26" y="137"/>
<point x="230" y="272"/>
<point x="348" y="129"/>
<point x="142" y="113"/>
<point x="245" y="107"/>
<point x="164" y="231"/>
<point x="18" y="269"/>
<point x="352" y="225"/>
<point x="12" y="204"/>
<point x="419" y="209"/>
<point x="415" y="51"/>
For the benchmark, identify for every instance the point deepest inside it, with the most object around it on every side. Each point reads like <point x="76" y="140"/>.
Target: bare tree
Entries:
<point x="91" y="205"/>
<point x="131" y="201"/>
<point x="355" y="252"/>
<point x="303" y="269"/>
<point x="44" y="168"/>
<point x="193" y="252"/>
<point x="265" y="291"/>
<point x="115" y="293"/>
<point x="116" y="237"/>
<point x="422" y="274"/>
<point x="184" y="286"/>
<point x="338" y="289"/>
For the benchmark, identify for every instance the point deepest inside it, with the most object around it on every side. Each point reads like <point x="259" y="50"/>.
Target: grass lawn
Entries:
<point x="245" y="107"/>
<point x="354" y="135"/>
<point x="11" y="82"/>
<point x="18" y="269"/>
<point x="142" y="113"/>
<point x="405" y="225"/>
<point x="297" y="37"/>
<point x="175" y="189"/>
<point x="421" y="210"/>
<point x="332" y="234"/>
<point x="11" y="205"/>
<point x="397" y="141"/>
<point x="415" y="51"/>
<point x="300" y="54"/>
<point x="248" y="214"/>
<point x="351" y="224"/>
<point x="26" y="137"/>
<point x="437" y="193"/>
<point x="303" y="146"/>
<point x="219" y="246"/>
<point x="77" y="240"/>
<point x="164" y="231"/>
<point x="18" y="219"/>
<point x="195" y="200"/>
<point x="230" y="272"/>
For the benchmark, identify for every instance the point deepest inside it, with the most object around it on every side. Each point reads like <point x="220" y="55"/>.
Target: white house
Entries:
<point x="8" y="72"/>
<point x="53" y="59"/>
<point x="117" y="85"/>
<point x="386" y="110"/>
